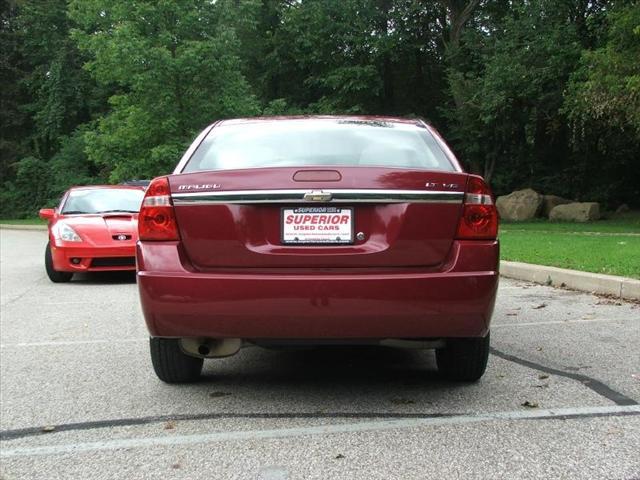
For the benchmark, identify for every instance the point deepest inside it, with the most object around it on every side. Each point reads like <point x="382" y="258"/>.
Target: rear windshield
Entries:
<point x="103" y="201"/>
<point x="292" y="143"/>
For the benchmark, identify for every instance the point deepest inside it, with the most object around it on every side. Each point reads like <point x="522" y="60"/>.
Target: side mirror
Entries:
<point x="46" y="213"/>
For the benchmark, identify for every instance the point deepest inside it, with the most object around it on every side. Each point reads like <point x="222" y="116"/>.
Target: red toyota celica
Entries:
<point x="318" y="230"/>
<point x="93" y="229"/>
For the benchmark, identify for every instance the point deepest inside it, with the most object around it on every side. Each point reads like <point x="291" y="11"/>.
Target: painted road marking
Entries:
<point x="557" y="322"/>
<point x="72" y="343"/>
<point x="374" y="426"/>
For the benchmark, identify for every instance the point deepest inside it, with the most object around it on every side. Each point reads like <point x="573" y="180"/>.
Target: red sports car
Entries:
<point x="318" y="230"/>
<point x="93" y="229"/>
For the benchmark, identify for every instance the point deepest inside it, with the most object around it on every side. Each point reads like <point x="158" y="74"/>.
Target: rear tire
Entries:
<point x="54" y="275"/>
<point x="463" y="359"/>
<point x="171" y="364"/>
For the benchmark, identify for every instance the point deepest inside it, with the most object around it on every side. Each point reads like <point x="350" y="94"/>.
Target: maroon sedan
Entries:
<point x="318" y="230"/>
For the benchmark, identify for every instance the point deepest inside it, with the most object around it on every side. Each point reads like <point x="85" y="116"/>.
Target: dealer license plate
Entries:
<point x="317" y="225"/>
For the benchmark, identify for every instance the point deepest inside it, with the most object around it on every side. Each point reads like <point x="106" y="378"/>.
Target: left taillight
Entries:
<point x="479" y="219"/>
<point x="157" y="220"/>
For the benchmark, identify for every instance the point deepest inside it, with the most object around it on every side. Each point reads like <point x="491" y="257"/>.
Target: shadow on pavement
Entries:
<point x="328" y="367"/>
<point x="104" y="278"/>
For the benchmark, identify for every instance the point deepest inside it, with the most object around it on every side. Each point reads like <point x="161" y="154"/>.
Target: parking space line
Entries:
<point x="71" y="343"/>
<point x="556" y="322"/>
<point x="374" y="426"/>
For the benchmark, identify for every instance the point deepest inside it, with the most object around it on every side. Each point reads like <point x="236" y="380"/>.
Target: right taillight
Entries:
<point x="157" y="220"/>
<point x="479" y="219"/>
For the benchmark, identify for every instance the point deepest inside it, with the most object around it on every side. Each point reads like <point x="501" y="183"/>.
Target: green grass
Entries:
<point x="600" y="247"/>
<point x="23" y="221"/>
<point x="625" y="223"/>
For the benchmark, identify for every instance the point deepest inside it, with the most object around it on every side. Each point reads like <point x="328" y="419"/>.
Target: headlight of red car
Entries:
<point x="65" y="233"/>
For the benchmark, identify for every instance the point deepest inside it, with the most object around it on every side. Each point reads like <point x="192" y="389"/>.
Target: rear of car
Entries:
<point x="95" y="228"/>
<point x="324" y="230"/>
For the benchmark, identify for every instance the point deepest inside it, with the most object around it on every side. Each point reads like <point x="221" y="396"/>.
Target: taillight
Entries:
<point x="157" y="220"/>
<point x="479" y="216"/>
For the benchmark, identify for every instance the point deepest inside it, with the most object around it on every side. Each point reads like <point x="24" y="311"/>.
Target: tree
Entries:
<point x="14" y="125"/>
<point x="507" y="118"/>
<point x="606" y="87"/>
<point x="602" y="102"/>
<point x="176" y="68"/>
<point x="45" y="95"/>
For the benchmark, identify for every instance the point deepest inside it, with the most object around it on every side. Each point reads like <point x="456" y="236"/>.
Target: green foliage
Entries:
<point x="70" y="165"/>
<point x="602" y="103"/>
<point x="510" y="113"/>
<point x="28" y="191"/>
<point x="606" y="89"/>
<point x="176" y="67"/>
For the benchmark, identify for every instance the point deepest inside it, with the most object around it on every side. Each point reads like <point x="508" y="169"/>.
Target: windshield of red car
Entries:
<point x="103" y="201"/>
<point x="286" y="143"/>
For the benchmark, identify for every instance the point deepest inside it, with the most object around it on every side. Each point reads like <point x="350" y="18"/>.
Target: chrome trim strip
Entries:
<point x="337" y="196"/>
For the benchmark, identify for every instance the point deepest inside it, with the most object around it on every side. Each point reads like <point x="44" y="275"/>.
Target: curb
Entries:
<point x="622" y="287"/>
<point x="10" y="226"/>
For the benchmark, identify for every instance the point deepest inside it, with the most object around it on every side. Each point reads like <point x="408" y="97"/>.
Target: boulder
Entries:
<point x="624" y="208"/>
<point x="519" y="205"/>
<point x="551" y="201"/>
<point x="576" y="212"/>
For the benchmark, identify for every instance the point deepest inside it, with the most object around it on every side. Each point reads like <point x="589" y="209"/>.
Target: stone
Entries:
<point x="519" y="205"/>
<point x="576" y="212"/>
<point x="624" y="208"/>
<point x="551" y="201"/>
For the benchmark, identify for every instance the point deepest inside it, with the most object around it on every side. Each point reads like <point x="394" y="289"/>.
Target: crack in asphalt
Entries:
<point x="595" y="385"/>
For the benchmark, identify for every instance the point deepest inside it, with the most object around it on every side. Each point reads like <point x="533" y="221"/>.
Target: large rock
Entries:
<point x="519" y="205"/>
<point x="624" y="208"/>
<point x="549" y="202"/>
<point x="576" y="212"/>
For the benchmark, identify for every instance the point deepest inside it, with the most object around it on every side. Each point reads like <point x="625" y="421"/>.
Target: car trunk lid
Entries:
<point x="398" y="217"/>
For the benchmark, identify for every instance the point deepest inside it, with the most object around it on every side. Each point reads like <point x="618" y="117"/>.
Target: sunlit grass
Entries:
<point x="599" y="247"/>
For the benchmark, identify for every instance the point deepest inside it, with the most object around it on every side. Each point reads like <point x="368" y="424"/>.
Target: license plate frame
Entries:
<point x="288" y="236"/>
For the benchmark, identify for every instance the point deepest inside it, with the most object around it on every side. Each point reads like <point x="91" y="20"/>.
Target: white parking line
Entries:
<point x="72" y="343"/>
<point x="378" y="425"/>
<point x="555" y="322"/>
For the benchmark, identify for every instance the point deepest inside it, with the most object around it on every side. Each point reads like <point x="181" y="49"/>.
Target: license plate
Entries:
<point x="317" y="225"/>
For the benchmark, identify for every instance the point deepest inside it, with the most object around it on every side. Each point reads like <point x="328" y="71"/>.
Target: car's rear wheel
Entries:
<point x="53" y="274"/>
<point x="171" y="364"/>
<point x="463" y="359"/>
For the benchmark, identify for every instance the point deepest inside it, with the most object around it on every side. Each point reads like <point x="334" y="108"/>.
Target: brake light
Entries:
<point x="157" y="220"/>
<point x="479" y="219"/>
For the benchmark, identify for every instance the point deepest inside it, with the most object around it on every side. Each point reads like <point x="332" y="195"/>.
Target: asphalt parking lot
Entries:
<point x="79" y="398"/>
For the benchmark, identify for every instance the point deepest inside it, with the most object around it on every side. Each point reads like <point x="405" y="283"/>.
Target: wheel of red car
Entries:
<point x="171" y="364"/>
<point x="463" y="359"/>
<point x="53" y="274"/>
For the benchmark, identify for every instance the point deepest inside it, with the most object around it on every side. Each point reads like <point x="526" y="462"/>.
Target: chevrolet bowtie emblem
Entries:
<point x="317" y="196"/>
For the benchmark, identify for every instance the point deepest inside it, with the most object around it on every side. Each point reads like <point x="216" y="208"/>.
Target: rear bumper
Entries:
<point x="392" y="303"/>
<point x="63" y="255"/>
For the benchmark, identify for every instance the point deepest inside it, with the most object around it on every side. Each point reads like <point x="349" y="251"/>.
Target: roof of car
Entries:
<point x="353" y="118"/>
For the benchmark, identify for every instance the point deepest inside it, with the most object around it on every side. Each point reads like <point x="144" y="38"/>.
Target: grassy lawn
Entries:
<point x="608" y="246"/>
<point x="23" y="221"/>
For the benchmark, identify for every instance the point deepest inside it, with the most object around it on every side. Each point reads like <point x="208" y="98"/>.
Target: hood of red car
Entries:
<point x="104" y="228"/>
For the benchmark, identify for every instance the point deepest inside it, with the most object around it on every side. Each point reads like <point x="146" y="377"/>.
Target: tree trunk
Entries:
<point x="387" y="67"/>
<point x="458" y="13"/>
